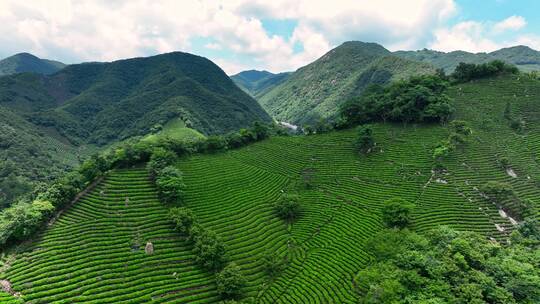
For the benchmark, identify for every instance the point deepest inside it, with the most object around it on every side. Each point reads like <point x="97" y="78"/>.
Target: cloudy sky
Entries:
<point x="276" y="35"/>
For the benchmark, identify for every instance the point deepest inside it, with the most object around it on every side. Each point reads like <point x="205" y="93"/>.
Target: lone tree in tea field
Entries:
<point x="396" y="213"/>
<point x="288" y="207"/>
<point x="364" y="142"/>
<point x="230" y="281"/>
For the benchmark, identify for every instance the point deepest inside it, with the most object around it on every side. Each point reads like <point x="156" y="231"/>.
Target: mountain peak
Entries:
<point x="28" y="63"/>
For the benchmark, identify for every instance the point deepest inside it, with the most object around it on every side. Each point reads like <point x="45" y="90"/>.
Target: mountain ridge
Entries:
<point x="317" y="90"/>
<point x="524" y="57"/>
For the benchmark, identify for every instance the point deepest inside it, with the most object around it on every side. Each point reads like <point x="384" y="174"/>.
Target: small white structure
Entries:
<point x="149" y="248"/>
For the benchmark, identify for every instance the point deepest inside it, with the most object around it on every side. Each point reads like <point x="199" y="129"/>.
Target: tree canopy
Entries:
<point x="418" y="99"/>
<point x="446" y="266"/>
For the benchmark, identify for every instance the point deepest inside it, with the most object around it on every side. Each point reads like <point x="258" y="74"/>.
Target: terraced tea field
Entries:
<point x="94" y="253"/>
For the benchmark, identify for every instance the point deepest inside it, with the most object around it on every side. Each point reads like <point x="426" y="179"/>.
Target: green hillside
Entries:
<point x="24" y="62"/>
<point x="523" y="57"/>
<point x="258" y="83"/>
<point x="318" y="89"/>
<point x="52" y="121"/>
<point x="95" y="251"/>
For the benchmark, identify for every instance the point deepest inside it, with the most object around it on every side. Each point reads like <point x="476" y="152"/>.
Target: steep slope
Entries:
<point x="93" y="253"/>
<point x="56" y="117"/>
<point x="258" y="83"/>
<point x="523" y="57"/>
<point x="318" y="89"/>
<point x="30" y="153"/>
<point x="25" y="62"/>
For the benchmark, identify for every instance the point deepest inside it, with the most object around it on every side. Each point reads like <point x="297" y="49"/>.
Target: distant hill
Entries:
<point x="48" y="121"/>
<point x="257" y="83"/>
<point x="25" y="62"/>
<point x="523" y="57"/>
<point x="318" y="89"/>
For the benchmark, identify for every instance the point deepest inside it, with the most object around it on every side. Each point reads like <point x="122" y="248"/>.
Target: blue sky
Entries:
<point x="277" y="35"/>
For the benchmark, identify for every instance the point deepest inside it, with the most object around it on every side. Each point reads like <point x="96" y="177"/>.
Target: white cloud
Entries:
<point x="473" y="36"/>
<point x="100" y="30"/>
<point x="511" y="23"/>
<point x="104" y="30"/>
<point x="467" y="36"/>
<point x="529" y="40"/>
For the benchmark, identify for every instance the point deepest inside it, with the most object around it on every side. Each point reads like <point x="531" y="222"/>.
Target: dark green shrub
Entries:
<point x="230" y="281"/>
<point x="160" y="159"/>
<point x="364" y="141"/>
<point x="182" y="218"/>
<point x="396" y="213"/>
<point x="288" y="207"/>
<point x="170" y="185"/>
<point x="209" y="250"/>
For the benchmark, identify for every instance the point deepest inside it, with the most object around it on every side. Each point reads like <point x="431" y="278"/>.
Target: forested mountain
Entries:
<point x="318" y="89"/>
<point x="257" y="83"/>
<point x="48" y="119"/>
<point x="523" y="57"/>
<point x="25" y="62"/>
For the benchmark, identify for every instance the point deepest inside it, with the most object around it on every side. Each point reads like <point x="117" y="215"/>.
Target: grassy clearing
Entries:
<point x="176" y="129"/>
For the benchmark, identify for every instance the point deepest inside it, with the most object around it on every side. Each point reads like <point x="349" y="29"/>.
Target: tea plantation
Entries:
<point x="95" y="251"/>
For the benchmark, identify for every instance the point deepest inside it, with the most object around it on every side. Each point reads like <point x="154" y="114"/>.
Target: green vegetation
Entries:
<point x="175" y="129"/>
<point x="230" y="281"/>
<point x="170" y="185"/>
<point x="288" y="207"/>
<point x="92" y="252"/>
<point x="418" y="99"/>
<point x="468" y="71"/>
<point x="319" y="89"/>
<point x="183" y="219"/>
<point x="365" y="142"/>
<point x="446" y="266"/>
<point x="258" y="83"/>
<point x="396" y="213"/>
<point x="48" y="124"/>
<point x="28" y="63"/>
<point x="525" y="58"/>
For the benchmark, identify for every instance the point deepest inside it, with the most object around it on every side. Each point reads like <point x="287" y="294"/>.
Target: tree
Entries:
<point x="182" y="218"/>
<point x="288" y="207"/>
<point x="364" y="141"/>
<point x="230" y="281"/>
<point x="160" y="159"/>
<point x="447" y="266"/>
<point x="396" y="213"/>
<point x="497" y="191"/>
<point x="260" y="130"/>
<point x="465" y="72"/>
<point x="214" y="144"/>
<point x="530" y="228"/>
<point x="209" y="250"/>
<point x="460" y="127"/>
<point x="273" y="264"/>
<point x="417" y="99"/>
<point x="170" y="185"/>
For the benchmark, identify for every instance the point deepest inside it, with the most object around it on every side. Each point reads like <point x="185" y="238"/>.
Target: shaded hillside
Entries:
<point x="25" y="62"/>
<point x="94" y="252"/>
<point x="50" y="117"/>
<point x="258" y="83"/>
<point x="103" y="102"/>
<point x="318" y="89"/>
<point x="30" y="153"/>
<point x="523" y="57"/>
